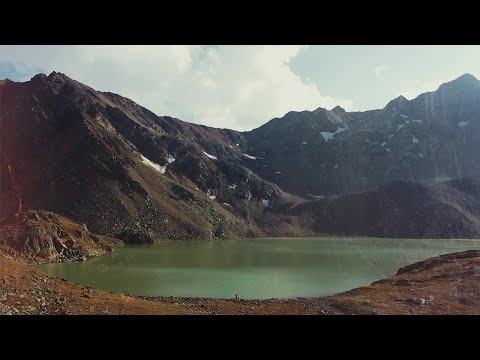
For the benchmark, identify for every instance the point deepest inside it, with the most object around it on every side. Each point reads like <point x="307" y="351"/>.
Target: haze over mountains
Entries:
<point x="407" y="170"/>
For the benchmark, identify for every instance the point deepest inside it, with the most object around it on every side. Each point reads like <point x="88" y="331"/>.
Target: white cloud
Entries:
<point x="239" y="87"/>
<point x="413" y="92"/>
<point x="380" y="69"/>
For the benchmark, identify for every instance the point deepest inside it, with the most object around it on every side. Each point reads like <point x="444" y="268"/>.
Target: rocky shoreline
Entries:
<point x="446" y="284"/>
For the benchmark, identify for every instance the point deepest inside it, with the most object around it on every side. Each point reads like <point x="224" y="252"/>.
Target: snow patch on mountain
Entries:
<point x="329" y="135"/>
<point x="316" y="196"/>
<point x="210" y="156"/>
<point x="463" y="123"/>
<point x="154" y="165"/>
<point x="251" y="157"/>
<point x="170" y="158"/>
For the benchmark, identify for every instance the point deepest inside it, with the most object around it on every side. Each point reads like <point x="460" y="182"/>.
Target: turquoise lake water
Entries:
<point x="252" y="268"/>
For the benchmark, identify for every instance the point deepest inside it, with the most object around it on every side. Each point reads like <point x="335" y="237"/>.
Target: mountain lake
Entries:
<point x="251" y="268"/>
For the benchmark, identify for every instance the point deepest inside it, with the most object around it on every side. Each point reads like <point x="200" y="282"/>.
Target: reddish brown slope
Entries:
<point x="446" y="284"/>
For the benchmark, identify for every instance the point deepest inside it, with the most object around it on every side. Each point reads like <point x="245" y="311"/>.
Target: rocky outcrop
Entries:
<point x="41" y="236"/>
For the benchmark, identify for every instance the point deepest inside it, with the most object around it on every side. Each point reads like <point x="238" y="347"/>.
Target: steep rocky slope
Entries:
<point x="103" y="160"/>
<point x="41" y="236"/>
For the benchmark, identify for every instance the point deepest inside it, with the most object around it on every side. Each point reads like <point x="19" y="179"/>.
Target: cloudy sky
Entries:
<point x="242" y="87"/>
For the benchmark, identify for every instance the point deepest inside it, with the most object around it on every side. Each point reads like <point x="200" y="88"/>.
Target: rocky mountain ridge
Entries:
<point x="105" y="161"/>
<point x="432" y="137"/>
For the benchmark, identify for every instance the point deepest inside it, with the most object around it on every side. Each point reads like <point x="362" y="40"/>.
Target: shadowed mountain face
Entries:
<point x="434" y="136"/>
<point x="400" y="209"/>
<point x="105" y="161"/>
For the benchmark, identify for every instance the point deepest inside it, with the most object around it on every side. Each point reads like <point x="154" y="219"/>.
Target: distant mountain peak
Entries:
<point x="338" y="110"/>
<point x="58" y="76"/>
<point x="53" y="76"/>
<point x="467" y="77"/>
<point x="55" y="73"/>
<point x="465" y="81"/>
<point x="39" y="76"/>
<point x="319" y="109"/>
<point x="398" y="102"/>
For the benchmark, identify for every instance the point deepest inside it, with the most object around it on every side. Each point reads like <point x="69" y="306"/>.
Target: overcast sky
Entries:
<point x="242" y="87"/>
